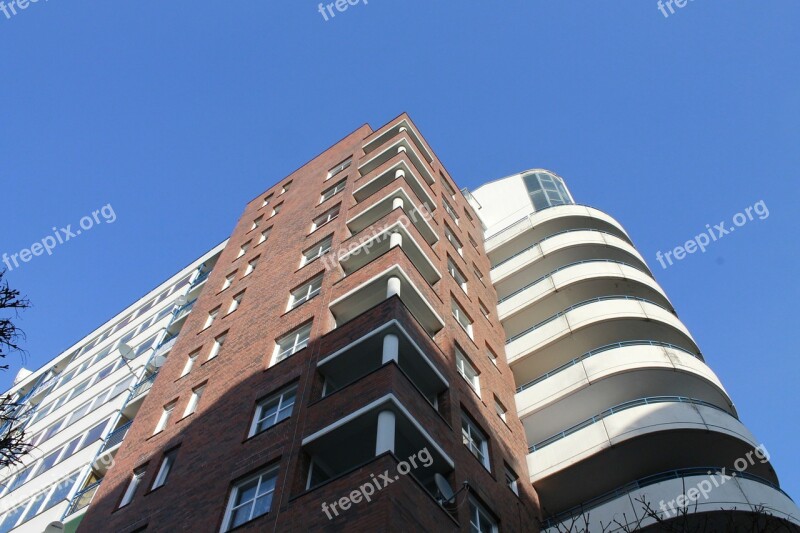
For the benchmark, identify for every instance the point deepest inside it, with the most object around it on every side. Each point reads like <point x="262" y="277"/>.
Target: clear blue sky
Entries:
<point x="179" y="112"/>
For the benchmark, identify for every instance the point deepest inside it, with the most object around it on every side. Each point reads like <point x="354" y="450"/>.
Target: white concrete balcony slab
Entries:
<point x="400" y="127"/>
<point x="380" y="243"/>
<point x="626" y="507"/>
<point x="389" y="150"/>
<point x="385" y="205"/>
<point x="642" y="428"/>
<point x="611" y="376"/>
<point x="571" y="284"/>
<point x="400" y="170"/>
<point x="393" y="281"/>
<point x="571" y="246"/>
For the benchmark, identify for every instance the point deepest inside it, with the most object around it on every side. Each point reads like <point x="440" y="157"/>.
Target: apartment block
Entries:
<point x="375" y="349"/>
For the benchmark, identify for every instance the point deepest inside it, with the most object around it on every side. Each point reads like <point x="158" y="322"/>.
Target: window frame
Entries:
<point x="230" y="507"/>
<point x="280" y="396"/>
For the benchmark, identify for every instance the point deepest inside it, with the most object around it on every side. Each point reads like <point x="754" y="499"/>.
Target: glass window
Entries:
<point x="304" y="293"/>
<point x="250" y="499"/>
<point x="274" y="409"/>
<point x="61" y="491"/>
<point x="341" y="167"/>
<point x="475" y="440"/>
<point x="467" y="371"/>
<point x="277" y="209"/>
<point x="133" y="484"/>
<point x="317" y="250"/>
<point x="166" y="413"/>
<point x="264" y="235"/>
<point x="194" y="399"/>
<point x="216" y="347"/>
<point x="333" y="191"/>
<point x="457" y="275"/>
<point x="325" y="217"/>
<point x="479" y="519"/>
<point x="462" y="317"/>
<point x="512" y="480"/>
<point x="454" y="241"/>
<point x="235" y="302"/>
<point x="190" y="362"/>
<point x="450" y="211"/>
<point x="166" y="467"/>
<point x="546" y="190"/>
<point x="293" y="342"/>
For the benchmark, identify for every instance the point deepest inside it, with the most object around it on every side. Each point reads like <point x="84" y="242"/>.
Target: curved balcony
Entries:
<point x="612" y="375"/>
<point x="718" y="506"/>
<point x="588" y="325"/>
<point x="557" y="250"/>
<point x="638" y="437"/>
<point x="538" y="225"/>
<point x="572" y="283"/>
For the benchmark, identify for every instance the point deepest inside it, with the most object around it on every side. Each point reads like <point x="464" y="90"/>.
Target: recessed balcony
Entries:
<point x="588" y="325"/>
<point x="720" y="508"/>
<point x="639" y="437"/>
<point x="401" y="145"/>
<point x="610" y="376"/>
<point x="402" y="126"/>
<point x="383" y="425"/>
<point x="390" y="342"/>
<point x="555" y="251"/>
<point x="377" y="244"/>
<point x="400" y="169"/>
<point x="392" y="282"/>
<point x="573" y="283"/>
<point x="397" y="199"/>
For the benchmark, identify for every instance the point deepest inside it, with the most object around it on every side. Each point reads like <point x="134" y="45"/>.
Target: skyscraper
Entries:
<point x="374" y="350"/>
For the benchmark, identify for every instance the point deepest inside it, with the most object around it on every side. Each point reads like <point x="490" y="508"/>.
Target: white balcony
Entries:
<point x="574" y="283"/>
<point x="391" y="282"/>
<point x="388" y="151"/>
<point x="558" y="250"/>
<point x="374" y="246"/>
<point x="538" y="225"/>
<point x="716" y="509"/>
<point x="400" y="170"/>
<point x="611" y="376"/>
<point x="589" y="325"/>
<point x="400" y="127"/>
<point x="384" y="206"/>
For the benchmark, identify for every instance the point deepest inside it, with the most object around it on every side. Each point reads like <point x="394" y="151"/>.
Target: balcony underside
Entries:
<point x="399" y="167"/>
<point x="384" y="206"/>
<point x="638" y="442"/>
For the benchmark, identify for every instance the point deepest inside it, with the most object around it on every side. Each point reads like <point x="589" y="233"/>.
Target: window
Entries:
<point x="448" y="189"/>
<point x="235" y="302"/>
<point x="462" y="317"/>
<point x="250" y="499"/>
<point x="190" y="362"/>
<point x="477" y="272"/>
<point x="228" y="281"/>
<point x="166" y="466"/>
<point x="341" y="167"/>
<point x="251" y="265"/>
<point x="454" y="241"/>
<point x="166" y="413"/>
<point x="133" y="484"/>
<point x="325" y="217"/>
<point x="500" y="409"/>
<point x="317" y="250"/>
<point x="330" y="192"/>
<point x="457" y="275"/>
<point x="475" y="440"/>
<point x="546" y="190"/>
<point x="266" y="201"/>
<point x="272" y="410"/>
<point x="194" y="399"/>
<point x="479" y="519"/>
<point x="286" y="187"/>
<point x="292" y="343"/>
<point x="305" y="292"/>
<point x="256" y="223"/>
<point x="243" y="249"/>
<point x="484" y="310"/>
<point x="264" y="235"/>
<point x="468" y="371"/>
<point x="219" y="341"/>
<point x="512" y="480"/>
<point x="276" y="209"/>
<point x="450" y="211"/>
<point x="492" y="356"/>
<point x="211" y="316"/>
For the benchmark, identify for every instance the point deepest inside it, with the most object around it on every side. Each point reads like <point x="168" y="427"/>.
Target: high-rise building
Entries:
<point x="374" y="350"/>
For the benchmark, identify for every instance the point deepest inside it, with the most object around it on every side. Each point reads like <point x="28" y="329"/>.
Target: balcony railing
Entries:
<point x="619" y="408"/>
<point x="183" y="310"/>
<point x="534" y="245"/>
<point x="602" y="349"/>
<point x="581" y="304"/>
<point x="144" y="385"/>
<point x="83" y="498"/>
<point x="166" y="344"/>
<point x="200" y="279"/>
<point x="116" y="436"/>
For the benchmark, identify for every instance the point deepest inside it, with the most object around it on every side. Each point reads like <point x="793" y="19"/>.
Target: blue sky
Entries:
<point x="177" y="113"/>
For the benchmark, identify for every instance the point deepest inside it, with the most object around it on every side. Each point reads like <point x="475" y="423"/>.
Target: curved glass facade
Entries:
<point x="546" y="190"/>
